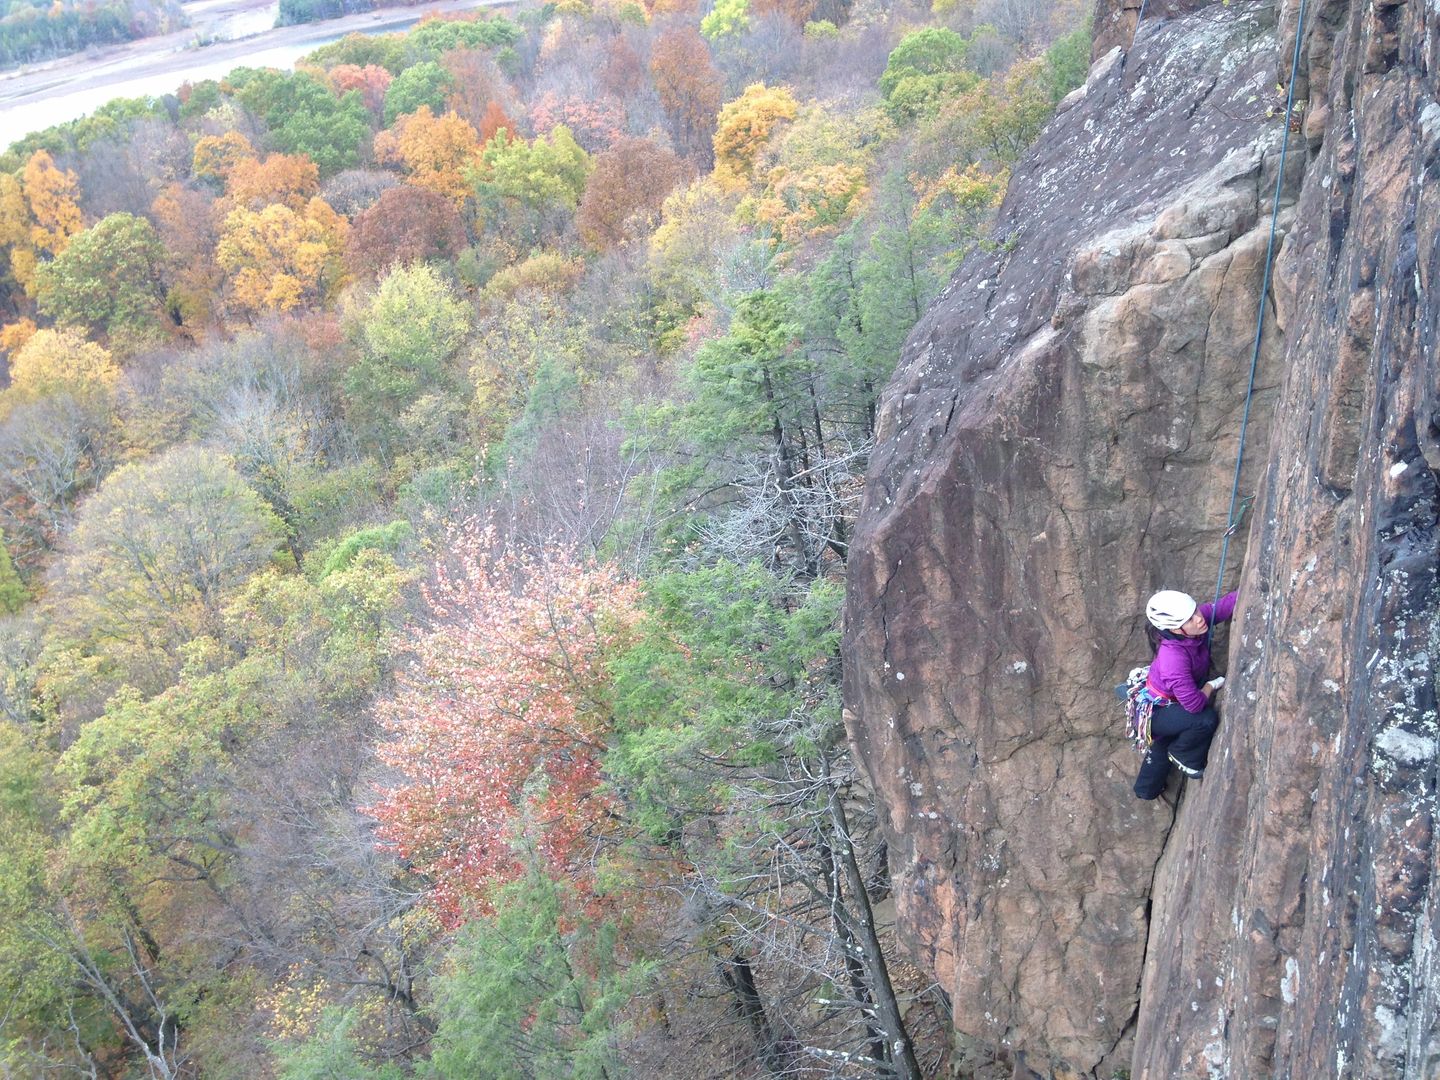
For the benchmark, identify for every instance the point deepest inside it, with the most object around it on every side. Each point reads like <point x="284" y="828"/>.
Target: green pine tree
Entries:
<point x="12" y="589"/>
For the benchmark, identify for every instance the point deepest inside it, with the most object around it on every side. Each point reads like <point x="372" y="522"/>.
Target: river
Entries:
<point x="60" y="90"/>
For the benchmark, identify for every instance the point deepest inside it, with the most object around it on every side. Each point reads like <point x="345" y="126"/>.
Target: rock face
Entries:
<point x="1299" y="892"/>
<point x="1058" y="442"/>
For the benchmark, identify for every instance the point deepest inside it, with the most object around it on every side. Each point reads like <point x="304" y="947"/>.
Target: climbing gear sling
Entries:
<point x="1140" y="702"/>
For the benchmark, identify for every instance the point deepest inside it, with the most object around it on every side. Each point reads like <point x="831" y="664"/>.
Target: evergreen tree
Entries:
<point x="533" y="990"/>
<point x="12" y="590"/>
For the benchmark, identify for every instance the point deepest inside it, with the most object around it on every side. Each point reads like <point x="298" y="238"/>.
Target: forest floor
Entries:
<point x="39" y="95"/>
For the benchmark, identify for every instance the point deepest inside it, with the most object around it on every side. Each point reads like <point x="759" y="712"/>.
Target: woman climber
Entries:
<point x="1184" y="719"/>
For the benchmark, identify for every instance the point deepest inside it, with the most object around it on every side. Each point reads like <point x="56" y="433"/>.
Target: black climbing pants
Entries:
<point x="1174" y="731"/>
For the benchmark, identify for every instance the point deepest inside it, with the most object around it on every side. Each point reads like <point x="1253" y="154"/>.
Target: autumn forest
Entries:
<point x="426" y="478"/>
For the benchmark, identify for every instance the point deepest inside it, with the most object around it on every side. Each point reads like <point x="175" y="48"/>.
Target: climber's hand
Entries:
<point x="1215" y="684"/>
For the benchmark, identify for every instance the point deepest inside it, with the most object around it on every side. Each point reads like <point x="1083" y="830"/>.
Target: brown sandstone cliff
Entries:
<point x="1058" y="442"/>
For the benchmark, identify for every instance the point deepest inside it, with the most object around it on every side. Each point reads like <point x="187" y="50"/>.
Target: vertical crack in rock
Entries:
<point x="1306" y="894"/>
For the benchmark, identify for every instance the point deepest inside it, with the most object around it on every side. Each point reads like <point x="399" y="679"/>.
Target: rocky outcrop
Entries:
<point x="1058" y="441"/>
<point x="1114" y="22"/>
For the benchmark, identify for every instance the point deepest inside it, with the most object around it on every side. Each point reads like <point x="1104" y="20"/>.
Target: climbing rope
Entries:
<point x="1233" y="520"/>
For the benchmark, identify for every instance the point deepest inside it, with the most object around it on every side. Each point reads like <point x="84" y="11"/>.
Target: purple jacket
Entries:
<point x="1182" y="664"/>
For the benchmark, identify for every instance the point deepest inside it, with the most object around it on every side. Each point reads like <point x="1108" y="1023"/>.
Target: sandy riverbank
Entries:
<point x="67" y="88"/>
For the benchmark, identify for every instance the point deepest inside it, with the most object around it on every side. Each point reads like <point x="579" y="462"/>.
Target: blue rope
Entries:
<point x="1233" y="522"/>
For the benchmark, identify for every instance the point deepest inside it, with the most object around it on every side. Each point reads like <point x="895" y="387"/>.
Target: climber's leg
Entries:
<point x="1192" y="744"/>
<point x="1177" y="735"/>
<point x="1154" y="770"/>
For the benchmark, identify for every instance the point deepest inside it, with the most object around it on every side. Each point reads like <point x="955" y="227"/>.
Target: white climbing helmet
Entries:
<point x="1169" y="610"/>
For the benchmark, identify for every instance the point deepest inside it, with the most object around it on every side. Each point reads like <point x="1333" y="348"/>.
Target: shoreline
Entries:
<point x="67" y="88"/>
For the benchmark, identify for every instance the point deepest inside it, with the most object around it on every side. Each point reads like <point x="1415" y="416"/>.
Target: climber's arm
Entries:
<point x="1221" y="612"/>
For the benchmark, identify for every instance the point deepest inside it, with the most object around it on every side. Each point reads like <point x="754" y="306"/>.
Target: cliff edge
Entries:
<point x="1058" y="442"/>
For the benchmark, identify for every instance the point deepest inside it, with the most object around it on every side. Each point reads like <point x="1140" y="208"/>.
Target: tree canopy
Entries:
<point x="427" y="480"/>
<point x="109" y="280"/>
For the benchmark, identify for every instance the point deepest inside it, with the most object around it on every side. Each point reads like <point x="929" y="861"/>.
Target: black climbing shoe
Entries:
<point x="1193" y="774"/>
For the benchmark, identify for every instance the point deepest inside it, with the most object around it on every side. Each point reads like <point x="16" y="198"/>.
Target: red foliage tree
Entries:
<point x="500" y="723"/>
<point x="690" y="89"/>
<point x="405" y="224"/>
<point x="622" y="71"/>
<point x="493" y="119"/>
<point x="477" y="86"/>
<point x="626" y="189"/>
<point x="372" y="81"/>
<point x="595" y="124"/>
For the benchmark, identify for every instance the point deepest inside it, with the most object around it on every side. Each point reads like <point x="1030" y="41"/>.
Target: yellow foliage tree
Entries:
<point x="52" y="196"/>
<point x="13" y="336"/>
<point x="811" y="178"/>
<point x="744" y="128"/>
<point x="971" y="190"/>
<point x="546" y="273"/>
<point x="216" y="155"/>
<point x="15" y="225"/>
<point x="333" y="226"/>
<point x="278" y="258"/>
<point x="799" y="204"/>
<point x="697" y="230"/>
<point x="38" y="215"/>
<point x="61" y="359"/>
<point x="435" y="151"/>
<point x="513" y="343"/>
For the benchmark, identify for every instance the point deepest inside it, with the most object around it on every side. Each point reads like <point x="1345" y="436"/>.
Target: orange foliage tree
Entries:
<point x="477" y="87"/>
<point x="289" y="179"/>
<point x="626" y="190"/>
<point x="494" y="118"/>
<point x="277" y="258"/>
<point x="500" y="724"/>
<point x="13" y="336"/>
<point x="435" y="151"/>
<point x="185" y="220"/>
<point x="690" y="89"/>
<point x="406" y="224"/>
<point x="798" y="12"/>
